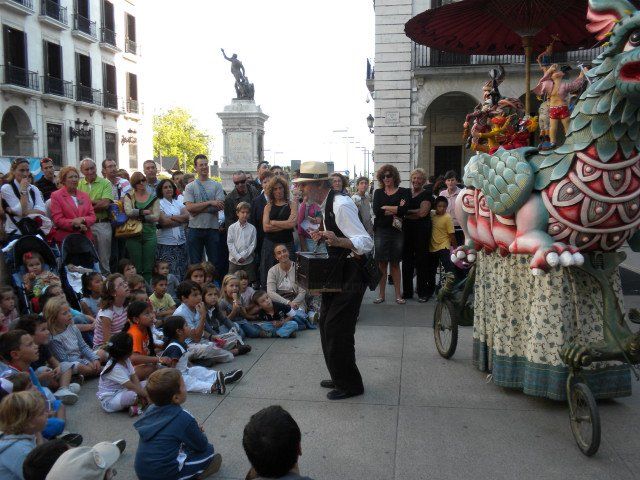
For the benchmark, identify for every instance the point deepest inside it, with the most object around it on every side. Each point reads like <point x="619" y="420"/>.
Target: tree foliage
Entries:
<point x="175" y="134"/>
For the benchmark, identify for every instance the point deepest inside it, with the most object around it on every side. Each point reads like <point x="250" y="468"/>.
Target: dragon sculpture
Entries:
<point x="582" y="196"/>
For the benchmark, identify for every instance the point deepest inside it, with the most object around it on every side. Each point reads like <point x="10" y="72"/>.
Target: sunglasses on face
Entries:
<point x="387" y="175"/>
<point x="240" y="182"/>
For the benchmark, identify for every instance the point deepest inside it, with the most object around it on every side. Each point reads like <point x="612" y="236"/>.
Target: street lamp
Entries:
<point x="370" y="121"/>
<point x="81" y="130"/>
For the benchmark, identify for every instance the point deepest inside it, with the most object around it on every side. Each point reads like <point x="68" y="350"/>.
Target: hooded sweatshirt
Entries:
<point x="165" y="432"/>
<point x="13" y="450"/>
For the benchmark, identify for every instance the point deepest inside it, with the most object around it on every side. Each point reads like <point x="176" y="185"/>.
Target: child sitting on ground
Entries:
<point x="246" y="295"/>
<point x="67" y="344"/>
<point x="162" y="302"/>
<point x="162" y="268"/>
<point x="8" y="310"/>
<point x="209" y="274"/>
<point x="85" y="323"/>
<point x="50" y="372"/>
<point x="119" y="387"/>
<point x="112" y="315"/>
<point x="274" y="317"/>
<point x="23" y="416"/>
<point x="38" y="463"/>
<point x="194" y="312"/>
<point x="198" y="379"/>
<point x="92" y="284"/>
<point x="136" y="282"/>
<point x="231" y="306"/>
<point x="144" y="358"/>
<point x="195" y="273"/>
<point x="171" y="444"/>
<point x="126" y="267"/>
<point x="36" y="277"/>
<point x="226" y="333"/>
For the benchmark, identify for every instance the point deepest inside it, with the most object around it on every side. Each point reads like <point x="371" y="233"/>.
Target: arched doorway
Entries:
<point x="442" y="143"/>
<point x="17" y="139"/>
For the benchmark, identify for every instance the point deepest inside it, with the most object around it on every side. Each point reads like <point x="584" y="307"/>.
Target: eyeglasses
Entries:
<point x="387" y="175"/>
<point x="240" y="182"/>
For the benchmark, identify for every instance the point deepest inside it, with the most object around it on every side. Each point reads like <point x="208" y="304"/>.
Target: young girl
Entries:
<point x="85" y="323"/>
<point x="226" y="334"/>
<point x="140" y="315"/>
<point x="36" y="277"/>
<point x="126" y="267"/>
<point x="196" y="379"/>
<point x="92" y="284"/>
<point x="8" y="310"/>
<point x="246" y="295"/>
<point x="196" y="274"/>
<point x="119" y="387"/>
<point x="210" y="273"/>
<point x="23" y="416"/>
<point x="67" y="344"/>
<point x="113" y="314"/>
<point x="231" y="306"/>
<point x="136" y="282"/>
<point x="162" y="268"/>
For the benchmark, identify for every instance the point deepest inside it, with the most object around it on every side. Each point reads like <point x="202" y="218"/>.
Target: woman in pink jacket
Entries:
<point x="71" y="209"/>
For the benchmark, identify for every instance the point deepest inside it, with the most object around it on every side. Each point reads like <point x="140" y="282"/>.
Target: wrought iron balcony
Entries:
<point x="88" y="95"/>
<point x="53" y="10"/>
<point x="130" y="46"/>
<point x="84" y="25"/>
<point x="110" y="100"/>
<point x="57" y="86"/>
<point x="133" y="106"/>
<point x="20" y="77"/>
<point x="108" y="36"/>
<point x="22" y="5"/>
<point x="424" y="57"/>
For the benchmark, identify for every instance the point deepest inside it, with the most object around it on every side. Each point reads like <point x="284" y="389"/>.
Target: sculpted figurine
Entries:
<point x="583" y="195"/>
<point x="244" y="89"/>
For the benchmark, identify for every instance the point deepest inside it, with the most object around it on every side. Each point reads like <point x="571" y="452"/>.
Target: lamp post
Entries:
<point x="370" y="122"/>
<point x="81" y="130"/>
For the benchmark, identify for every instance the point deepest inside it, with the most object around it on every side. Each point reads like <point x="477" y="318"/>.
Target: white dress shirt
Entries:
<point x="241" y="240"/>
<point x="174" y="235"/>
<point x="346" y="216"/>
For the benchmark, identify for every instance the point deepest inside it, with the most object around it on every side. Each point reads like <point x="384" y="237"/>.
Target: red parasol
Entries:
<point x="494" y="27"/>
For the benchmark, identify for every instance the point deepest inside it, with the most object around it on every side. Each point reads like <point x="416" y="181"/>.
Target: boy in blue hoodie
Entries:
<point x="172" y="444"/>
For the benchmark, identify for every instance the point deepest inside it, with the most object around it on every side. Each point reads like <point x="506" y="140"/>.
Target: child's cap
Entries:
<point x="85" y="463"/>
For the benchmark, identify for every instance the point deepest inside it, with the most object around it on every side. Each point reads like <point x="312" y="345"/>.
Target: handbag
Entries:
<point x="131" y="228"/>
<point x="397" y="223"/>
<point x="370" y="271"/>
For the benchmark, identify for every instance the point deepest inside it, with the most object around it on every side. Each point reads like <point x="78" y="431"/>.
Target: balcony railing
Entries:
<point x="25" y="3"/>
<point x="84" y="25"/>
<point x="108" y="36"/>
<point x="20" y="77"/>
<point x="88" y="95"/>
<point x="426" y="57"/>
<point x="53" y="10"/>
<point x="133" y="106"/>
<point x="57" y="86"/>
<point x="110" y="100"/>
<point x="130" y="46"/>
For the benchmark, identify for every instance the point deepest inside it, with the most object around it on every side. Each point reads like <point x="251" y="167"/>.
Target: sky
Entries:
<point x="307" y="61"/>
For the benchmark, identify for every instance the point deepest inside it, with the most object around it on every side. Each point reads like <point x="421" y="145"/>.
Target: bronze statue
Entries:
<point x="244" y="89"/>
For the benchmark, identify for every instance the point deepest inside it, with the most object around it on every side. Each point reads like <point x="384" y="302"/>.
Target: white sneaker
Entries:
<point x="74" y="388"/>
<point x="66" y="396"/>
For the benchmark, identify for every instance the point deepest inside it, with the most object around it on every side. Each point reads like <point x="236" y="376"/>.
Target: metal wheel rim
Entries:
<point x="581" y="421"/>
<point x="443" y="328"/>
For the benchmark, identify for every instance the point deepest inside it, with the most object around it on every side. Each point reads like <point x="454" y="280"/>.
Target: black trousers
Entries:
<point x="338" y="316"/>
<point x="415" y="256"/>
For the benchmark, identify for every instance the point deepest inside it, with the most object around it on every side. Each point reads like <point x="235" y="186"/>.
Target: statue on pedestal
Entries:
<point x="244" y="89"/>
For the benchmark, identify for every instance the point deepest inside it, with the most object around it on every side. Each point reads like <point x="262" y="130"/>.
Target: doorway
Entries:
<point x="447" y="157"/>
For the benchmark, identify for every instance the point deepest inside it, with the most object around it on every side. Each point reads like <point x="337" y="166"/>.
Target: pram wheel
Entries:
<point x="584" y="418"/>
<point x="445" y="328"/>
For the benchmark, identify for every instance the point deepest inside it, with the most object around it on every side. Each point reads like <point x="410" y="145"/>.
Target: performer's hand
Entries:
<point x="330" y="238"/>
<point x="316" y="235"/>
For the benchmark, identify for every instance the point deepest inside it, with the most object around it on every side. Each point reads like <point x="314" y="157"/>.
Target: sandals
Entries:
<point x="400" y="301"/>
<point x="378" y="300"/>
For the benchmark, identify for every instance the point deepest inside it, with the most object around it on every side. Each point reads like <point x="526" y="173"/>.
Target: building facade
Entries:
<point x="70" y="82"/>
<point x="422" y="95"/>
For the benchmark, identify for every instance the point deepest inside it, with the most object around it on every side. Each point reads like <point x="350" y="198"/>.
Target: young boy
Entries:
<point x="50" y="372"/>
<point x="442" y="239"/>
<point x="241" y="240"/>
<point x="451" y="193"/>
<point x="162" y="268"/>
<point x="163" y="304"/>
<point x="275" y="317"/>
<point x="172" y="444"/>
<point x="194" y="312"/>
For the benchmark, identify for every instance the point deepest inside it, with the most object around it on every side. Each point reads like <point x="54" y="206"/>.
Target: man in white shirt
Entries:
<point x="119" y="186"/>
<point x="346" y="238"/>
<point x="241" y="240"/>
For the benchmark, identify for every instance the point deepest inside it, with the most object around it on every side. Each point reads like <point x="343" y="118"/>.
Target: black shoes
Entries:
<point x="121" y="444"/>
<point x="232" y="376"/>
<point x="327" y="384"/>
<point x="341" y="395"/>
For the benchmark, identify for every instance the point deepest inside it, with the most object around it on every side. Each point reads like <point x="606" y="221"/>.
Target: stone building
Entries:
<point x="422" y="95"/>
<point x="71" y="82"/>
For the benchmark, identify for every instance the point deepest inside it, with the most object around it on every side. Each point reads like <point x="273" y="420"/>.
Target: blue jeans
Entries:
<point x="284" y="331"/>
<point x="250" y="330"/>
<point x="303" y="322"/>
<point x="225" y="329"/>
<point x="199" y="239"/>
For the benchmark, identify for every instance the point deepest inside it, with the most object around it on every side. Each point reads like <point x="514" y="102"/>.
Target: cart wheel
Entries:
<point x="585" y="419"/>
<point x="445" y="328"/>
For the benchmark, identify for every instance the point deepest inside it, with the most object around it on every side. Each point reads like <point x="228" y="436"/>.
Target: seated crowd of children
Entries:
<point x="147" y="344"/>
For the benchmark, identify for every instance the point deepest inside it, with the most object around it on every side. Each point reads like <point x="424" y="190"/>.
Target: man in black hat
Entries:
<point x="346" y="238"/>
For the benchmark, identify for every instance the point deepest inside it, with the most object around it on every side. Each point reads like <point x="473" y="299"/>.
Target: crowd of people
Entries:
<point x="203" y="272"/>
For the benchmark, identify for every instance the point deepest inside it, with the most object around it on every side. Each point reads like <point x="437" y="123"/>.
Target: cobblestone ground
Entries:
<point x="421" y="417"/>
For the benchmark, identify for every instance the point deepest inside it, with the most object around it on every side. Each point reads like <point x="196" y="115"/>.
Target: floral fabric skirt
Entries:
<point x="176" y="255"/>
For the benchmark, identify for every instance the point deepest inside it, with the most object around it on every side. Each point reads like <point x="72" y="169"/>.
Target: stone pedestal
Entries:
<point x="243" y="130"/>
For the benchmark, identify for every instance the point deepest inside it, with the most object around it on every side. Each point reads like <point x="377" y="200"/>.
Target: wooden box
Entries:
<point x="317" y="273"/>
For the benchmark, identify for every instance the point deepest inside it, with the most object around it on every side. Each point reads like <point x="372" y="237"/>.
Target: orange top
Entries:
<point x="140" y="337"/>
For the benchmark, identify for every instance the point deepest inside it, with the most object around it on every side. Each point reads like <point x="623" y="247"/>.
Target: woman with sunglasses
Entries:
<point x="172" y="241"/>
<point x="390" y="203"/>
<point x="19" y="197"/>
<point x="71" y="209"/>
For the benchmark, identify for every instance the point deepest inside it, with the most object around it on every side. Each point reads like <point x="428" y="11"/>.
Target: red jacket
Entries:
<point x="64" y="209"/>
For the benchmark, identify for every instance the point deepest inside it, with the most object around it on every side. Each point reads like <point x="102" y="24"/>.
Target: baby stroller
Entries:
<point x="77" y="256"/>
<point x="29" y="243"/>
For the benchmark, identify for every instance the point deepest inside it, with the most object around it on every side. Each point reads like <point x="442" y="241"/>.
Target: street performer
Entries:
<point x="345" y="237"/>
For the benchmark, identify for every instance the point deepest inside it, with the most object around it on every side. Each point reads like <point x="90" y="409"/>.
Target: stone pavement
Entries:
<point x="422" y="417"/>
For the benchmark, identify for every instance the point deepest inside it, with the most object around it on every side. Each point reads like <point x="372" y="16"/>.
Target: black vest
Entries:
<point x="331" y="225"/>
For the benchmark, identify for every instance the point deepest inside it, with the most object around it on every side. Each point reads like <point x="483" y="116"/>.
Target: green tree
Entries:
<point x="175" y="134"/>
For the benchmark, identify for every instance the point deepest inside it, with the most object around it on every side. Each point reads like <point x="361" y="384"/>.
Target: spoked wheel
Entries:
<point x="445" y="328"/>
<point x="584" y="418"/>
